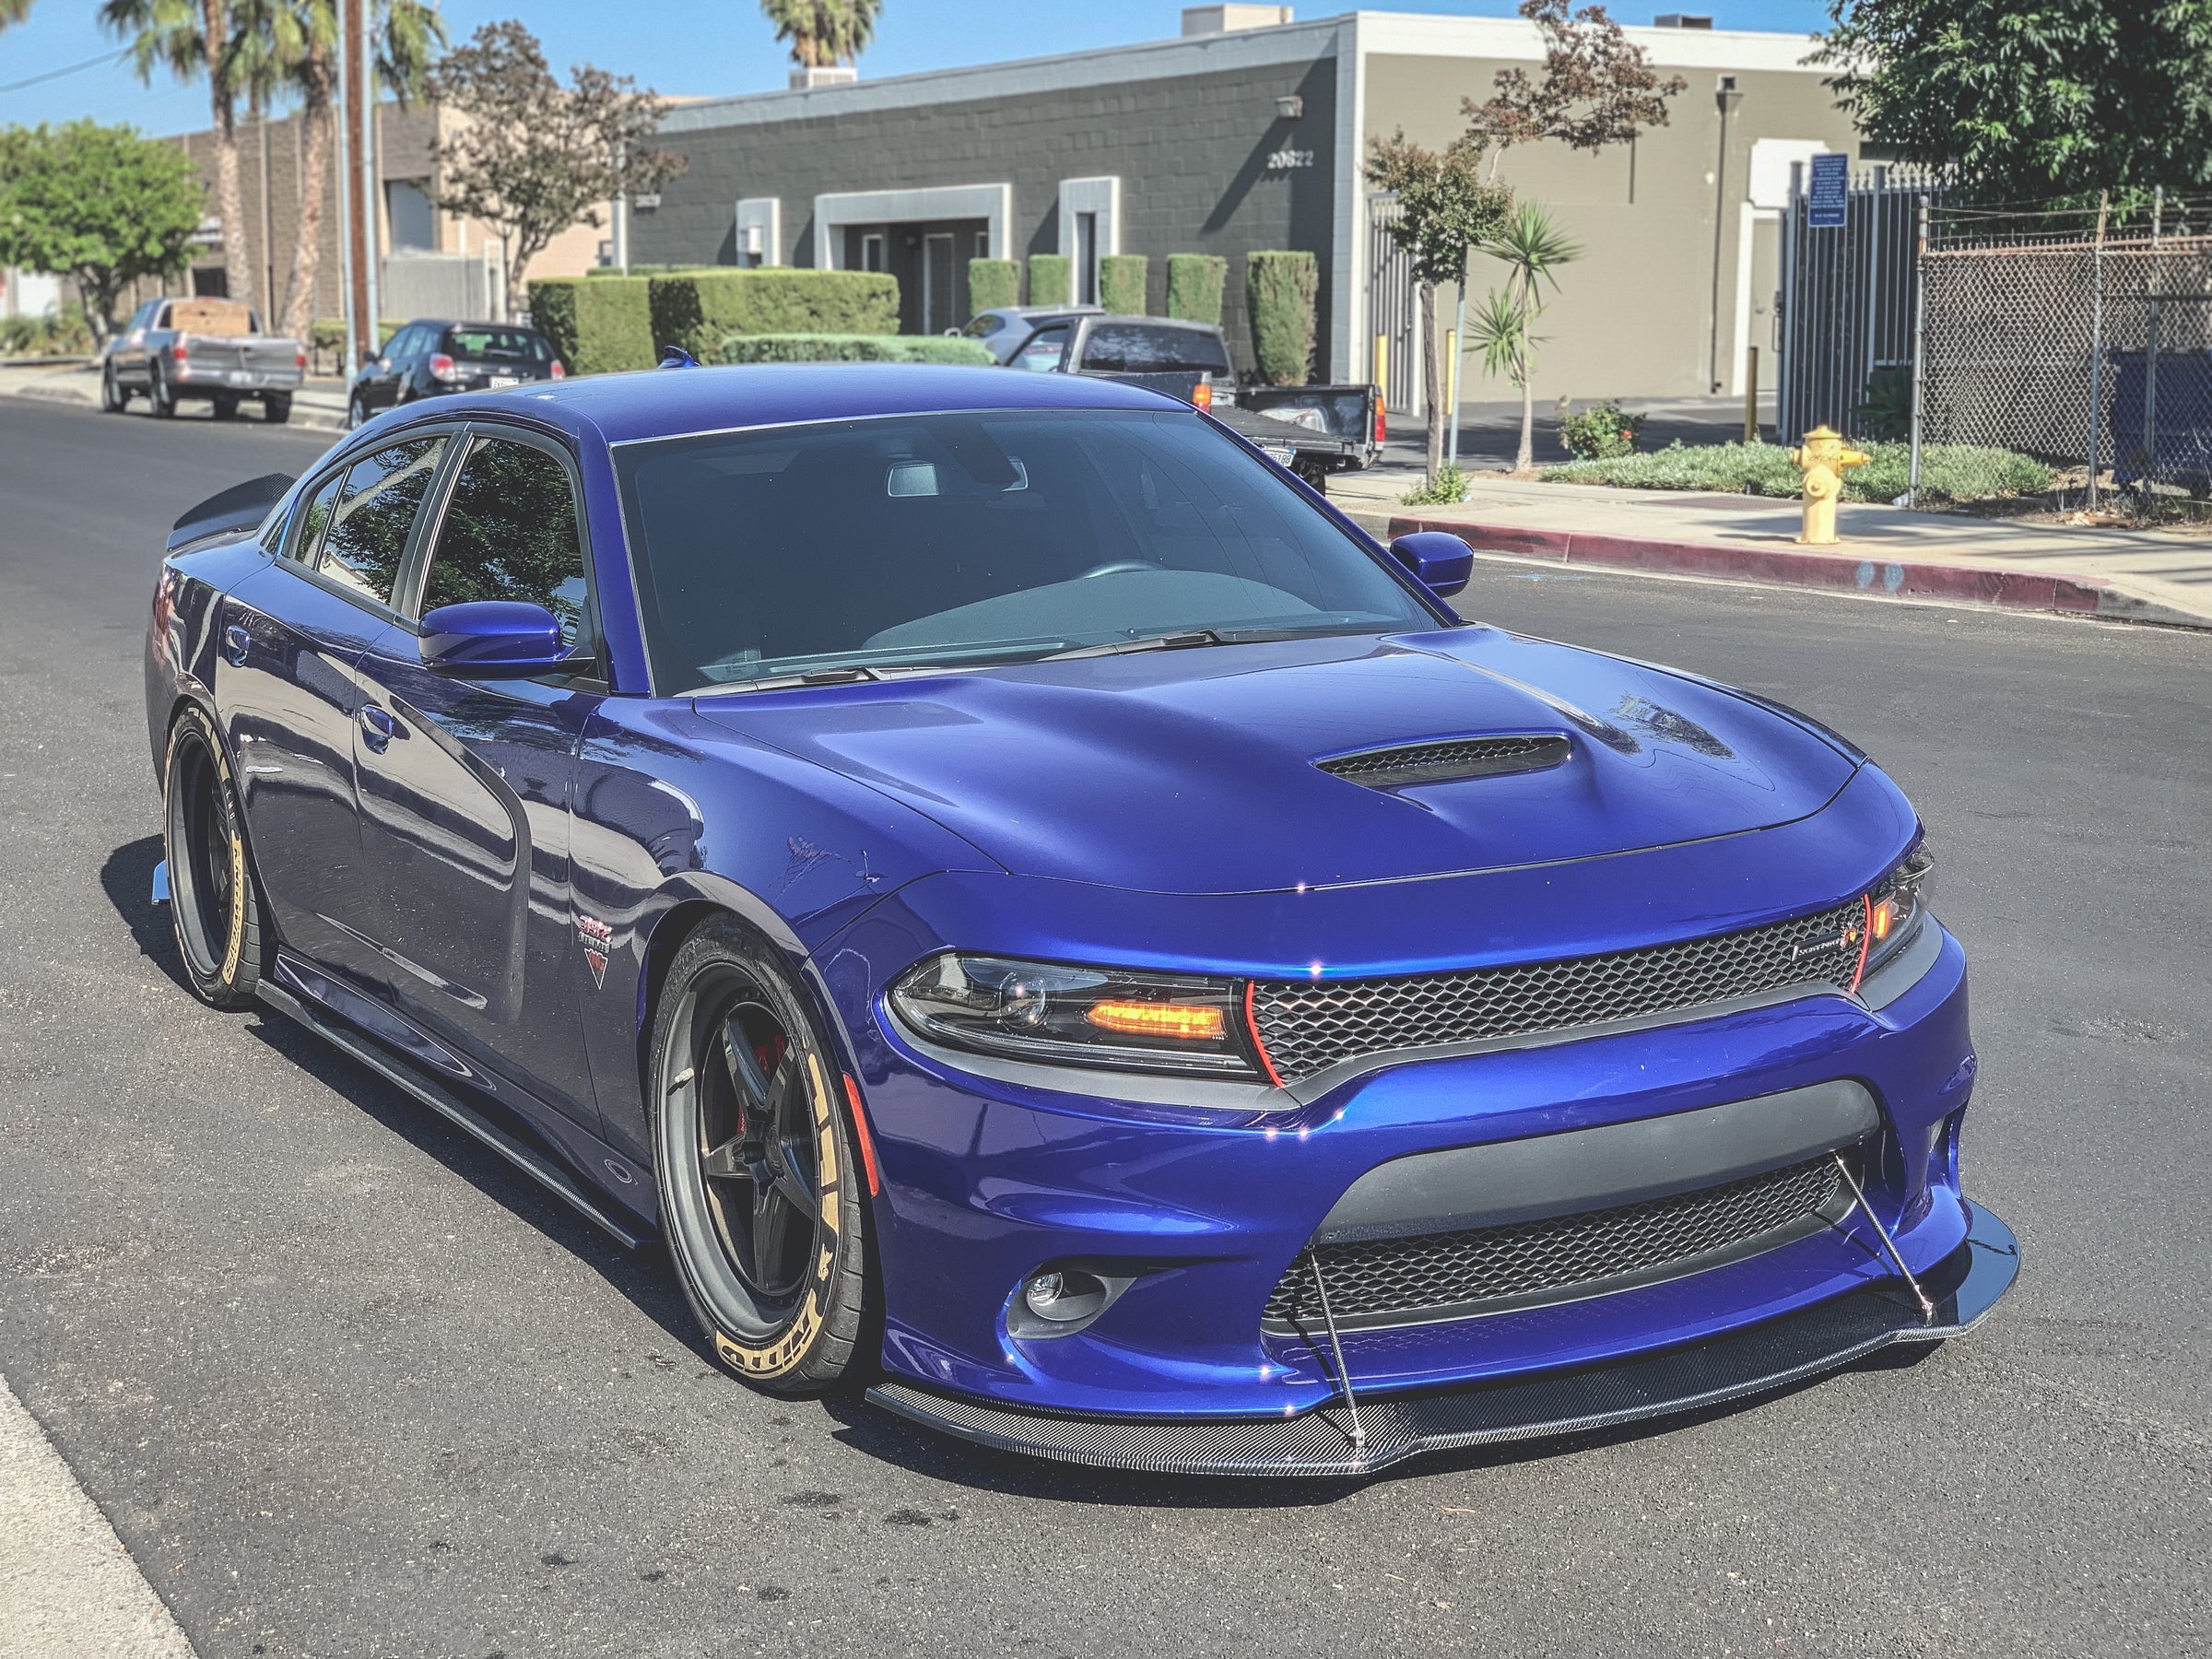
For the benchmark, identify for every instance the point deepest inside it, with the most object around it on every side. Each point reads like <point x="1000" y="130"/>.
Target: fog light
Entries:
<point x="1063" y="1296"/>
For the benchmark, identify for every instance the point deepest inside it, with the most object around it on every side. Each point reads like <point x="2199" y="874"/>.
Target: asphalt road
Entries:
<point x="345" y="1386"/>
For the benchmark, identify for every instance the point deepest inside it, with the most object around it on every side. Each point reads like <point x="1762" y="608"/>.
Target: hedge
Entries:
<point x="701" y="310"/>
<point x="1952" y="472"/>
<point x="854" y="349"/>
<point x="992" y="283"/>
<point x="1194" y="283"/>
<point x="1122" y="279"/>
<point x="1279" y="289"/>
<point x="597" y="324"/>
<point x="1051" y="279"/>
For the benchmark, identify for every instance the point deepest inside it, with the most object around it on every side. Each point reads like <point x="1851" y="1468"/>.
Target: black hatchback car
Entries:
<point x="427" y="357"/>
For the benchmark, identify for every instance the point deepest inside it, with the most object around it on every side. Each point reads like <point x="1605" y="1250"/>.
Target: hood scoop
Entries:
<point x="1451" y="759"/>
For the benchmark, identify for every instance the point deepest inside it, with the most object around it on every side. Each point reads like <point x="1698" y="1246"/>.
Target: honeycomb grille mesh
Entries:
<point x="1446" y="1273"/>
<point x="1307" y="1027"/>
<point x="1441" y="762"/>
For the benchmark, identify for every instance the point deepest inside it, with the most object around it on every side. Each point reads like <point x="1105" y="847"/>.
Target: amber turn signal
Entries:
<point x="1158" y="1019"/>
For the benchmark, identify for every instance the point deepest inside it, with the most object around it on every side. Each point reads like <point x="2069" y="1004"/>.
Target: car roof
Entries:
<point x="667" y="403"/>
<point x="460" y="322"/>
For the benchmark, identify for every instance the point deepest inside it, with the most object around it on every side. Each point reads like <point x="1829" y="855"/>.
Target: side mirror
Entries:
<point x="1439" y="561"/>
<point x="495" y="638"/>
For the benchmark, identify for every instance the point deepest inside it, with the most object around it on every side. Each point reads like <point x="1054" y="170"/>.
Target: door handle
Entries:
<point x="236" y="642"/>
<point x="378" y="728"/>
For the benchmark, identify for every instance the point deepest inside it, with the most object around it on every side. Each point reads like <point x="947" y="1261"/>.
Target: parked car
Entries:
<point x="1003" y="328"/>
<point x="1313" y="430"/>
<point x="173" y="349"/>
<point x="1050" y="922"/>
<point x="429" y="358"/>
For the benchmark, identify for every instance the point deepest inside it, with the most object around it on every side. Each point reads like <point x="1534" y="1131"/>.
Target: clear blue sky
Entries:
<point x="687" y="46"/>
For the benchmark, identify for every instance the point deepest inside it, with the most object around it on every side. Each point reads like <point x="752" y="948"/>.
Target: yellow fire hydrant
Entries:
<point x="1823" y="461"/>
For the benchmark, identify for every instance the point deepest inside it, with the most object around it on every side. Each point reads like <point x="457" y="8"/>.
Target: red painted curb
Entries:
<point x="1791" y="567"/>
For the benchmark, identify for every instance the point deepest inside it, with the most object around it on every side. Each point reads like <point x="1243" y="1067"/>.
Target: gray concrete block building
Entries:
<point x="1248" y="132"/>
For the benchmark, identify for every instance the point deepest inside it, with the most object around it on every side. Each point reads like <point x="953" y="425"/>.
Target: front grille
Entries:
<point x="1449" y="1275"/>
<point x="1457" y="758"/>
<point x="1309" y="1026"/>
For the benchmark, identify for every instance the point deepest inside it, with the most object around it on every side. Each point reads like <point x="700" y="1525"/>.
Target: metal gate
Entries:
<point x="1393" y="311"/>
<point x="1847" y="298"/>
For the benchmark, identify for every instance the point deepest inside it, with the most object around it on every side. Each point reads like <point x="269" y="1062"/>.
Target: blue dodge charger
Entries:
<point x="1047" y="922"/>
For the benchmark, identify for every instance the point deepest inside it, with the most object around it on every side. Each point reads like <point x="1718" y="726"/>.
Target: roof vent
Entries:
<point x="1683" y="20"/>
<point x="1227" y="19"/>
<point x="1451" y="759"/>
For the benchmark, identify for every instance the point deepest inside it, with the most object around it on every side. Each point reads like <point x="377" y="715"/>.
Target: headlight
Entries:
<point x="1077" y="1016"/>
<point x="1896" y="905"/>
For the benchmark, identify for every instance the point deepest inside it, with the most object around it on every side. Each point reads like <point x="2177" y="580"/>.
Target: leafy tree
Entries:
<point x="822" y="32"/>
<point x="13" y="11"/>
<point x="532" y="156"/>
<point x="188" y="38"/>
<point x="1445" y="210"/>
<point x="98" y="204"/>
<point x="1504" y="328"/>
<point x="2032" y="98"/>
<point x="289" y="50"/>
<point x="1597" y="87"/>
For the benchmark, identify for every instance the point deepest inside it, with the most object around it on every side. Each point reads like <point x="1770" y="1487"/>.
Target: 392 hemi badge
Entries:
<point x="598" y="939"/>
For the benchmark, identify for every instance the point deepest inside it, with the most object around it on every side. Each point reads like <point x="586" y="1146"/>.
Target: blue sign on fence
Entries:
<point x="1830" y="190"/>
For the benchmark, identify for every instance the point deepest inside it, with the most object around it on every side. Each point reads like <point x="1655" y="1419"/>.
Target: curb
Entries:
<point x="304" y="415"/>
<point x="2063" y="594"/>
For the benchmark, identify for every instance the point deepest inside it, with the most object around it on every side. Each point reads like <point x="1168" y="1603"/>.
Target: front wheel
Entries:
<point x="754" y="1159"/>
<point x="213" y="906"/>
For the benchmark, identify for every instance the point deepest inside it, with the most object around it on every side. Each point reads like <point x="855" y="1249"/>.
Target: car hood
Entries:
<point x="1193" y="771"/>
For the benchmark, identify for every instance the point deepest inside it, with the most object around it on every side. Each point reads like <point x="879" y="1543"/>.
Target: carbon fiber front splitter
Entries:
<point x="1966" y="1284"/>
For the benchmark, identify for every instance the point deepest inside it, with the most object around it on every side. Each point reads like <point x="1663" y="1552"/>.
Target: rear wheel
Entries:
<point x="276" y="407"/>
<point x="357" y="411"/>
<point x="754" y="1157"/>
<point x="213" y="905"/>
<point x="113" y="397"/>
<point x="226" y="406"/>
<point x="159" y="393"/>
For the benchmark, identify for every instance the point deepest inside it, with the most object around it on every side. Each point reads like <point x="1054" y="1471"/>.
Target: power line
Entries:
<point x="105" y="57"/>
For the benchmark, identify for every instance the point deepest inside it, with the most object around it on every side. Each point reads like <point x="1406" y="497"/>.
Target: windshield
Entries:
<point x="936" y="539"/>
<point x="1147" y="349"/>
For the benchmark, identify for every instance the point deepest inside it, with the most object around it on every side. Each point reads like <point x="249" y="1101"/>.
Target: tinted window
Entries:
<point x="315" y="518"/>
<point x="405" y="344"/>
<point x="497" y="345"/>
<point x="1139" y="348"/>
<point x="510" y="533"/>
<point x="984" y="326"/>
<point x="976" y="538"/>
<point x="368" y="533"/>
<point x="1043" y="349"/>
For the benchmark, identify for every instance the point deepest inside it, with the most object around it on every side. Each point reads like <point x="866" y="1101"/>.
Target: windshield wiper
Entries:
<point x="1179" y="640"/>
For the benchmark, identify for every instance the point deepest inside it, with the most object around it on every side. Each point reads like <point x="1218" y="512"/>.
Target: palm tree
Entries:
<point x="188" y="38"/>
<point x="1503" y="325"/>
<point x="289" y="49"/>
<point x="821" y="33"/>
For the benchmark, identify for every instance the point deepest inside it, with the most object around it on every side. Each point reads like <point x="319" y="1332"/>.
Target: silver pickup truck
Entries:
<point x="174" y="348"/>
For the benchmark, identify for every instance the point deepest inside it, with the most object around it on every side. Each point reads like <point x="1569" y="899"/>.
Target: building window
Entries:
<point x="871" y="251"/>
<point x="407" y="209"/>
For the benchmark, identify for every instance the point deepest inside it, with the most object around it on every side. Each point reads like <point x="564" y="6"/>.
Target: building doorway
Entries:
<point x="938" y="289"/>
<point x="929" y="259"/>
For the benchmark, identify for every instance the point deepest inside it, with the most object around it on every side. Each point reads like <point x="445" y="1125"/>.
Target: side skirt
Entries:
<point x="529" y="1159"/>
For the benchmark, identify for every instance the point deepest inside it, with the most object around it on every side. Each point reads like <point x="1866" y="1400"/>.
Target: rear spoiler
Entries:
<point x="240" y="507"/>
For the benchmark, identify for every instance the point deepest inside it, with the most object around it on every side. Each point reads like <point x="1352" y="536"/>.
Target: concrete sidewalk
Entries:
<point x="319" y="404"/>
<point x="2139" y="576"/>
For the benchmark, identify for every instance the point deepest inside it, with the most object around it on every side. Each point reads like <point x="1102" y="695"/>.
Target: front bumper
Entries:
<point x="1371" y="1434"/>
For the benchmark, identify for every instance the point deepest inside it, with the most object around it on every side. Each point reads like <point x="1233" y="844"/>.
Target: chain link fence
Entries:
<point x="2091" y="357"/>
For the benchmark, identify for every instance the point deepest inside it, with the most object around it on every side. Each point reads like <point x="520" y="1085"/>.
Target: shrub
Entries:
<point x="854" y="349"/>
<point x="698" y="311"/>
<point x="1449" y="490"/>
<point x="992" y="283"/>
<point x="1051" y="279"/>
<point x="1279" y="289"/>
<point x="597" y="326"/>
<point x="1194" y="283"/>
<point x="650" y="270"/>
<point x="62" y="332"/>
<point x="1122" y="279"/>
<point x="1601" y="431"/>
<point x="1953" y="472"/>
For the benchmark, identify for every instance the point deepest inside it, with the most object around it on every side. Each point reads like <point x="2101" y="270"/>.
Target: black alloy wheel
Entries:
<point x="160" y="394"/>
<point x="761" y="1193"/>
<point x="214" y="907"/>
<point x="113" y="397"/>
